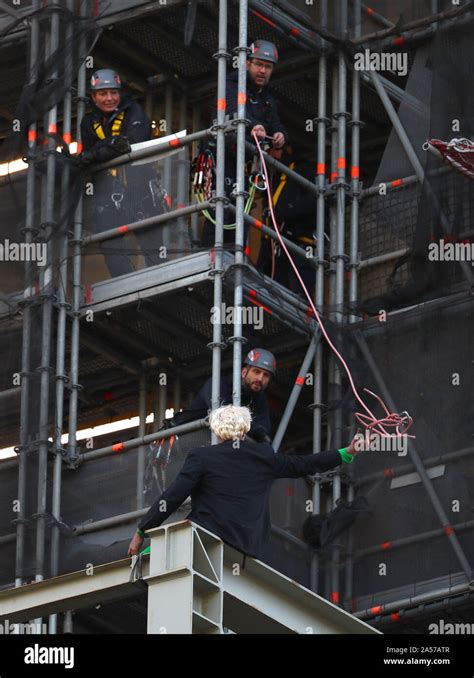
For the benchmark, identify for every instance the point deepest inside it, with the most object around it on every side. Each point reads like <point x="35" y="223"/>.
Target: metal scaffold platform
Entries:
<point x="194" y="584"/>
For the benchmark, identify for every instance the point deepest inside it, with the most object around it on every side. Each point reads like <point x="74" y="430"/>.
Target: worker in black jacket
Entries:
<point x="262" y="112"/>
<point x="230" y="483"/>
<point x="125" y="194"/>
<point x="259" y="367"/>
<point x="261" y="107"/>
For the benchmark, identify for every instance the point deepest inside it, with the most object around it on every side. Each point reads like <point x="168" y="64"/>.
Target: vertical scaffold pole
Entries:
<point x="159" y="401"/>
<point x="319" y="292"/>
<point x="237" y="338"/>
<point x="341" y="118"/>
<point x="62" y="303"/>
<point x="355" y="170"/>
<point x="177" y="393"/>
<point x="354" y="259"/>
<point x="76" y="243"/>
<point x="328" y="585"/>
<point x="182" y="189"/>
<point x="48" y="227"/>
<point x="167" y="170"/>
<point x="332" y="206"/>
<point x="217" y="344"/>
<point x="141" y="453"/>
<point x="27" y="320"/>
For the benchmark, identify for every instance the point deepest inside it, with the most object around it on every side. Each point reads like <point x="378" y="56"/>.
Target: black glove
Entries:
<point x="119" y="144"/>
<point x="82" y="160"/>
<point x="168" y="423"/>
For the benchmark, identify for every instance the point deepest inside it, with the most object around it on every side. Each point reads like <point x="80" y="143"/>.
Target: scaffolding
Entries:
<point x="63" y="303"/>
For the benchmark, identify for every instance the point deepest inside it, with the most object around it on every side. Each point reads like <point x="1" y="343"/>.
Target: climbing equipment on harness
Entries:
<point x="203" y="181"/>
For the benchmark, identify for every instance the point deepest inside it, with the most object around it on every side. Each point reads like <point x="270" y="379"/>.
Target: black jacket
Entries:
<point x="136" y="127"/>
<point x="256" y="402"/>
<point x="296" y="206"/>
<point x="230" y="490"/>
<point x="261" y="108"/>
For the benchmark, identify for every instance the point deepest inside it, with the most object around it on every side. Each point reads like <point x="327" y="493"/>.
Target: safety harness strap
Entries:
<point x="281" y="186"/>
<point x="116" y="126"/>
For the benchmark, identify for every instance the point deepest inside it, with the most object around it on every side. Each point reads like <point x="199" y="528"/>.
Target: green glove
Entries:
<point x="345" y="456"/>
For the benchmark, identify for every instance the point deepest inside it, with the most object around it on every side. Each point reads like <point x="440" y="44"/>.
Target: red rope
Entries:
<point x="367" y="419"/>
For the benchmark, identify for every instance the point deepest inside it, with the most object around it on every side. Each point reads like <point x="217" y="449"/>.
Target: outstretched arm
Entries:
<point x="300" y="465"/>
<point x="171" y="499"/>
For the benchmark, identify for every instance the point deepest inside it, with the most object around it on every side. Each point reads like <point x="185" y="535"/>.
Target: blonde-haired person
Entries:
<point x="230" y="483"/>
<point x="230" y="422"/>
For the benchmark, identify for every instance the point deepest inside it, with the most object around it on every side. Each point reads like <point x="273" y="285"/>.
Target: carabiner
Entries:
<point x="117" y="199"/>
<point x="256" y="178"/>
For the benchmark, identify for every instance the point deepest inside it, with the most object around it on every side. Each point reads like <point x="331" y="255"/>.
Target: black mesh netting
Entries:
<point x="423" y="219"/>
<point x="38" y="207"/>
<point x="53" y="72"/>
<point x="40" y="210"/>
<point x="424" y="361"/>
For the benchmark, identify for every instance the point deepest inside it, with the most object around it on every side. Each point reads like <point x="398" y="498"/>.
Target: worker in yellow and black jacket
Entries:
<point x="125" y="194"/>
